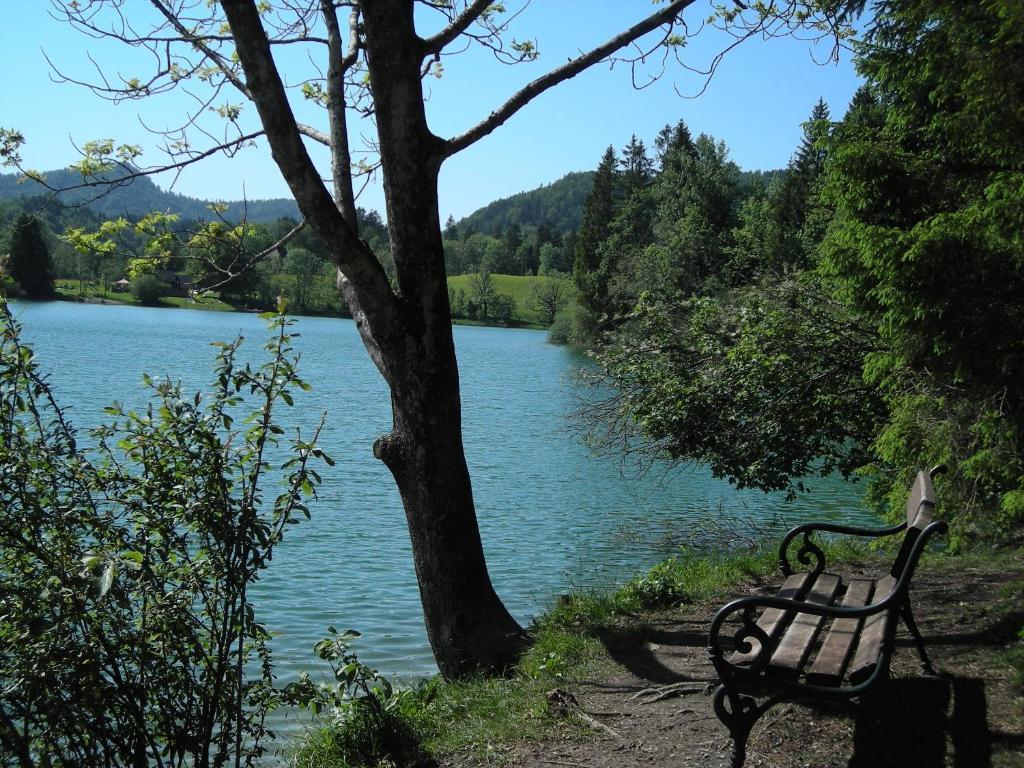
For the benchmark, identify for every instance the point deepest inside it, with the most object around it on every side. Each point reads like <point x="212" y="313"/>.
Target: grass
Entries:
<point x="206" y="302"/>
<point x="485" y="715"/>
<point x="484" y="718"/>
<point x="516" y="286"/>
<point x="72" y="290"/>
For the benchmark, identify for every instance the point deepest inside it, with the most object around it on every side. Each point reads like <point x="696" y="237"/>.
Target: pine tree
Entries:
<point x="451" y="229"/>
<point x="598" y="211"/>
<point x="637" y="168"/>
<point x="804" y="169"/>
<point x="672" y="144"/>
<point x="513" y="237"/>
<point x="865" y="110"/>
<point x="29" y="262"/>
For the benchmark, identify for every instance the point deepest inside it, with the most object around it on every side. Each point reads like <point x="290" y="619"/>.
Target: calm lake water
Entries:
<point x="551" y="515"/>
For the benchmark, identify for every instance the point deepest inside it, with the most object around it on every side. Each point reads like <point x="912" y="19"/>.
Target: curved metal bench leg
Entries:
<point x="908" y="619"/>
<point x="739" y="717"/>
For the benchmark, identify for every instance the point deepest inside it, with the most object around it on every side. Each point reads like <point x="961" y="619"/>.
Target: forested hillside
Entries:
<point x="139" y="196"/>
<point x="558" y="205"/>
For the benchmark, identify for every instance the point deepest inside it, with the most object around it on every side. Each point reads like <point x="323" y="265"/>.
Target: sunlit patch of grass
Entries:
<point x="206" y="302"/>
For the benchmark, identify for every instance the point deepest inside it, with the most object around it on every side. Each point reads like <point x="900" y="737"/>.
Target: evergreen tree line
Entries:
<point x="517" y="250"/>
<point x="558" y="204"/>
<point x="860" y="313"/>
<point x="685" y="222"/>
<point x="42" y="241"/>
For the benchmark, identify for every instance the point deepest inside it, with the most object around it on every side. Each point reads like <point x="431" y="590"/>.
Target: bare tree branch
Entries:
<point x="222" y="64"/>
<point x="341" y="157"/>
<point x="235" y="269"/>
<point x="314" y="133"/>
<point x="199" y="42"/>
<point x="666" y="15"/>
<point x="367" y="281"/>
<point x="434" y="45"/>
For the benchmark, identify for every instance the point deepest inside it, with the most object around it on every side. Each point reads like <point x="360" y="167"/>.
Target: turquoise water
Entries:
<point x="551" y="515"/>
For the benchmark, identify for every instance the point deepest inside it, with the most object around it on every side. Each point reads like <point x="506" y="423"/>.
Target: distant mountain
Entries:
<point x="140" y="196"/>
<point x="559" y="204"/>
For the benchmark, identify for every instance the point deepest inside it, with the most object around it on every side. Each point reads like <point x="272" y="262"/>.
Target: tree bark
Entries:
<point x="409" y="335"/>
<point x="467" y="624"/>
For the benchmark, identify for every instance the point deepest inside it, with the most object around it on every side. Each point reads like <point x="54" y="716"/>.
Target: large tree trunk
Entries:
<point x="467" y="624"/>
<point x="408" y="335"/>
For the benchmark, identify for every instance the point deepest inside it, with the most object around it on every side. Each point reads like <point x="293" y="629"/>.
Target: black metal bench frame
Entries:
<point x="739" y="712"/>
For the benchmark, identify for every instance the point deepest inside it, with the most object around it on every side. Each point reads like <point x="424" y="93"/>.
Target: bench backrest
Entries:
<point x="920" y="508"/>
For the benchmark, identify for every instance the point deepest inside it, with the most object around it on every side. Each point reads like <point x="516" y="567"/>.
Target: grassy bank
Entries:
<point x="95" y="293"/>
<point x="485" y="716"/>
<point x="519" y="287"/>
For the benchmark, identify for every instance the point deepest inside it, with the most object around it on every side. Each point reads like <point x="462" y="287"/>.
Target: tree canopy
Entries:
<point x="861" y="312"/>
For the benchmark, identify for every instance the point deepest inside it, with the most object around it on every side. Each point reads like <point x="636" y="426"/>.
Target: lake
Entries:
<point x="551" y="515"/>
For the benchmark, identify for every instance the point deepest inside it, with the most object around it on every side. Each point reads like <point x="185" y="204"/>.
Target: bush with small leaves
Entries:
<point x="128" y="635"/>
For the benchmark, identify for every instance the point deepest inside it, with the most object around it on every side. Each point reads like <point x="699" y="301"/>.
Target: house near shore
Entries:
<point x="120" y="286"/>
<point x="177" y="283"/>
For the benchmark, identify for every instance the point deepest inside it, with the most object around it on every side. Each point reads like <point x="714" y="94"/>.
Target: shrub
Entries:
<point x="148" y="289"/>
<point x="127" y="635"/>
<point x="573" y="324"/>
<point x="371" y="722"/>
<point x="502" y="308"/>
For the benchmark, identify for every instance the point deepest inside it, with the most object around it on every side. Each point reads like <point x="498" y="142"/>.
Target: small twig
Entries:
<point x="597" y="724"/>
<point x="670" y="691"/>
<point x="563" y="762"/>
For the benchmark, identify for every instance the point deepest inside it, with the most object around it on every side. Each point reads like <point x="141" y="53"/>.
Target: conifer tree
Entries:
<point x="598" y="211"/>
<point x="451" y="229"/>
<point x="637" y="168"/>
<point x="29" y="261"/>
<point x="804" y="169"/>
<point x="672" y="143"/>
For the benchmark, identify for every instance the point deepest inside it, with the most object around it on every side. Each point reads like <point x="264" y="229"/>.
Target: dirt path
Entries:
<point x="651" y="708"/>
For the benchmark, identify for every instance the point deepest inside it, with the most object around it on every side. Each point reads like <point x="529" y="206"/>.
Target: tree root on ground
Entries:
<point x="563" y="703"/>
<point x="671" y="691"/>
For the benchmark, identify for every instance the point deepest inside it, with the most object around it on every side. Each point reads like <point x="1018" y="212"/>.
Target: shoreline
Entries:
<point x="194" y="305"/>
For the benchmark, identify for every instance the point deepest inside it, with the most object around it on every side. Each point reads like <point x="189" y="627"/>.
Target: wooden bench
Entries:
<point x="819" y="636"/>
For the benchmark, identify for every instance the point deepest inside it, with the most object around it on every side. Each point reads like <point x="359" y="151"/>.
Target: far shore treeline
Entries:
<point x="509" y="262"/>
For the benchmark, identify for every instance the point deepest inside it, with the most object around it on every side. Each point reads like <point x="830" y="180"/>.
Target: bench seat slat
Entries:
<point x="773" y="620"/>
<point x="872" y="635"/>
<point x="792" y="651"/>
<point x="839" y="641"/>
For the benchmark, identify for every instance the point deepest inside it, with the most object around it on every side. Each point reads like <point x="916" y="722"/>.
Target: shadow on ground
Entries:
<point x="926" y="722"/>
<point x="646" y="651"/>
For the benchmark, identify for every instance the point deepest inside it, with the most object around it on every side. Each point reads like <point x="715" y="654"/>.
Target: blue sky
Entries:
<point x="760" y="94"/>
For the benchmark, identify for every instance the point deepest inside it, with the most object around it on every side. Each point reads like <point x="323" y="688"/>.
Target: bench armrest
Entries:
<point x="809" y="549"/>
